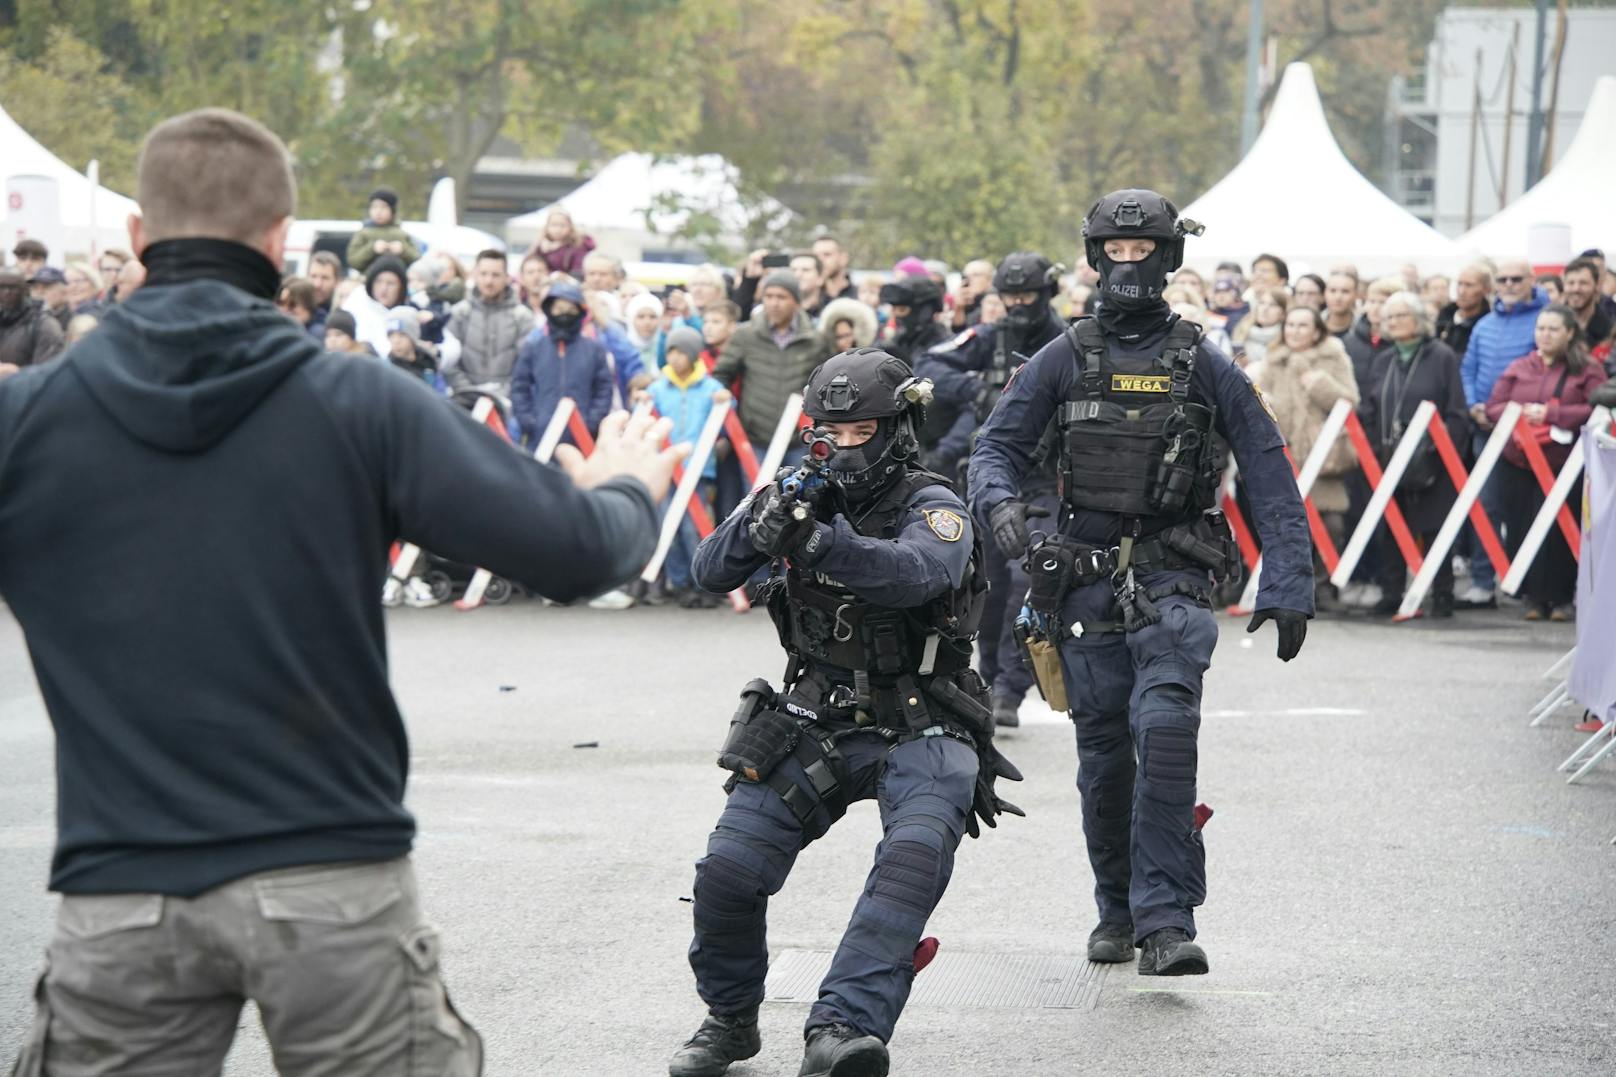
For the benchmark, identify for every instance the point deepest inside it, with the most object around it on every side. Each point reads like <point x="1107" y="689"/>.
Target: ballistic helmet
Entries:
<point x="1026" y="271"/>
<point x="861" y="384"/>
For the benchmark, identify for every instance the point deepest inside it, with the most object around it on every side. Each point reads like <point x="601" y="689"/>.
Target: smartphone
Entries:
<point x="777" y="260"/>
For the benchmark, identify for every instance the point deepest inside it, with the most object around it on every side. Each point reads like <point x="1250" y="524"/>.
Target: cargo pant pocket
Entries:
<point x="442" y="1044"/>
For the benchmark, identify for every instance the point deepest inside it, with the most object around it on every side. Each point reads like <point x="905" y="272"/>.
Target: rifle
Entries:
<point x="810" y="476"/>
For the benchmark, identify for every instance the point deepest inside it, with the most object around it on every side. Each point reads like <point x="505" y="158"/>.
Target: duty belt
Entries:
<point x="1092" y="564"/>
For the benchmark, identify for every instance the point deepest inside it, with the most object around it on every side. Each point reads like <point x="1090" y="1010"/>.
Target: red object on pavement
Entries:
<point x="1202" y="814"/>
<point x="925" y="952"/>
<point x="1592" y="725"/>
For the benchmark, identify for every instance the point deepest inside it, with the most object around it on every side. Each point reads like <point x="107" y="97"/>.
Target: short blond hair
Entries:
<point x="1383" y="287"/>
<point x="214" y="173"/>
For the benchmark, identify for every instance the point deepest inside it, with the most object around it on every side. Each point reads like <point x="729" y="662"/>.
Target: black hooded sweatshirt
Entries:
<point x="196" y="506"/>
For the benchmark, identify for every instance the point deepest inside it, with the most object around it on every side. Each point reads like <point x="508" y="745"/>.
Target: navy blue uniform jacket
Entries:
<point x="1008" y="439"/>
<point x="926" y="560"/>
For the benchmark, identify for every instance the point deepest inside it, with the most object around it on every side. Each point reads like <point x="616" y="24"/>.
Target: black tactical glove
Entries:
<point x="776" y="529"/>
<point x="1009" y="522"/>
<point x="1292" y="629"/>
<point x="991" y="765"/>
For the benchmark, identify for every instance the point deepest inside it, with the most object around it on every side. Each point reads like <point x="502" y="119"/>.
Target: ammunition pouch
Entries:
<point x="1058" y="564"/>
<point x="762" y="737"/>
<point x="759" y="736"/>
<point x="1042" y="656"/>
<point x="1204" y="543"/>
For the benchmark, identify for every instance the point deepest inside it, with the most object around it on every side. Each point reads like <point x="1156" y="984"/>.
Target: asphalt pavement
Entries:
<point x="1399" y="882"/>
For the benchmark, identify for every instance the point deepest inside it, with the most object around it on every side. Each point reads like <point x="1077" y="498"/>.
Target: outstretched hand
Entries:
<point x="626" y="445"/>
<point x="1292" y="628"/>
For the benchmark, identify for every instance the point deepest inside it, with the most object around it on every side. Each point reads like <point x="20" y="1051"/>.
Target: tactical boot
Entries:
<point x="1111" y="943"/>
<point x="1169" y="952"/>
<point x="839" y="1051"/>
<point x="1006" y="712"/>
<point x="718" y="1042"/>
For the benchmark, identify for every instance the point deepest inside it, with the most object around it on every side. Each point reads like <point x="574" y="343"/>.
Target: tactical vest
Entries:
<point x="822" y="622"/>
<point x="1132" y="442"/>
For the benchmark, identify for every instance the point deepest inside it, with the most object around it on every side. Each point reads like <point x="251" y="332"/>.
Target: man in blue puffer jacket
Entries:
<point x="556" y="361"/>
<point x="1499" y="338"/>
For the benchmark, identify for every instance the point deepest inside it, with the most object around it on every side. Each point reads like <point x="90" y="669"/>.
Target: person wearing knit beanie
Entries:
<point x="782" y="278"/>
<point x="685" y="339"/>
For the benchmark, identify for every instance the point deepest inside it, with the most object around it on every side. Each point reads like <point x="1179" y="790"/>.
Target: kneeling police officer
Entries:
<point x="876" y="593"/>
<point x="971" y="371"/>
<point x="1119" y="606"/>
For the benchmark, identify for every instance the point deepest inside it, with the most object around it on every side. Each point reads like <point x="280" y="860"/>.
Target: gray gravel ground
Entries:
<point x="1399" y="883"/>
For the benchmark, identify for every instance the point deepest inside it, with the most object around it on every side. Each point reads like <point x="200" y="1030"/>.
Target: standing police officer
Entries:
<point x="875" y="596"/>
<point x="970" y="372"/>
<point x="1122" y="589"/>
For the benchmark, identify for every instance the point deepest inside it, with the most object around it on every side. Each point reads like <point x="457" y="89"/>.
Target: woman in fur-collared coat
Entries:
<point x="1302" y="377"/>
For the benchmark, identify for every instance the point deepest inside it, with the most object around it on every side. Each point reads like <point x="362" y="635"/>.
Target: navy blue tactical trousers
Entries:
<point x="998" y="655"/>
<point x="1136" y="702"/>
<point x="924" y="789"/>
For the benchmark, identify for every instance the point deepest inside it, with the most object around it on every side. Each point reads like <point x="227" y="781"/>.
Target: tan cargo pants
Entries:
<point x="337" y="957"/>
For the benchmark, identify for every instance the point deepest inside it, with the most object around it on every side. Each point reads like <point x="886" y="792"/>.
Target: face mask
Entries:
<point x="1027" y="316"/>
<point x="566" y="323"/>
<point x="1133" y="285"/>
<point x="860" y="457"/>
<point x="862" y="472"/>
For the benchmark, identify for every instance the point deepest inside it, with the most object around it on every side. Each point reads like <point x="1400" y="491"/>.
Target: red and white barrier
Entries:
<point x="784" y="434"/>
<point x="694" y="464"/>
<point x="1554" y="509"/>
<point x="1469" y="487"/>
<point x="1380" y="502"/>
<point x="1334" y="424"/>
<point x="741" y="445"/>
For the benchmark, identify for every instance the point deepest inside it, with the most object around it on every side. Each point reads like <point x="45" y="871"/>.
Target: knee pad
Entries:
<point x="909" y="874"/>
<point x="1167" y="761"/>
<point x="726" y="889"/>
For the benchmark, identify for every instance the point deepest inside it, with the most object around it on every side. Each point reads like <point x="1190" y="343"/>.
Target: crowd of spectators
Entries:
<point x="570" y="324"/>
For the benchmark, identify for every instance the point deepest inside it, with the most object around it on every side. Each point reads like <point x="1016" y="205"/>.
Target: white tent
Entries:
<point x="1296" y="195"/>
<point x="1575" y="195"/>
<point x="637" y="202"/>
<point x="22" y="155"/>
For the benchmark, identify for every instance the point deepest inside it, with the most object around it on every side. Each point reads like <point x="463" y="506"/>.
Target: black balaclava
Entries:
<point x="1131" y="301"/>
<point x="565" y="326"/>
<point x="864" y="471"/>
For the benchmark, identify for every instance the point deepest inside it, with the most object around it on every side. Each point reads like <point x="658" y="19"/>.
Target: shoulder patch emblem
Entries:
<point x="1263" y="400"/>
<point x="945" y="525"/>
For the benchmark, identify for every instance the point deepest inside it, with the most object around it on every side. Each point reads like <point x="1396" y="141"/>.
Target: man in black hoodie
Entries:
<point x="197" y="505"/>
